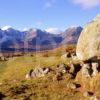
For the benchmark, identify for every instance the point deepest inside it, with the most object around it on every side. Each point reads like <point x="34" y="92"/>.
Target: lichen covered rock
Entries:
<point x="88" y="46"/>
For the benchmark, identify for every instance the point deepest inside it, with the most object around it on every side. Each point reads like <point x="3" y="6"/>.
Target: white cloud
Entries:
<point x="53" y="30"/>
<point x="39" y="23"/>
<point x="86" y="4"/>
<point x="49" y="3"/>
<point x="25" y="29"/>
<point x="6" y="27"/>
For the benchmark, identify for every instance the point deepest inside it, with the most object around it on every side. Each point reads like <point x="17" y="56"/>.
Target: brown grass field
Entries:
<point x="14" y="86"/>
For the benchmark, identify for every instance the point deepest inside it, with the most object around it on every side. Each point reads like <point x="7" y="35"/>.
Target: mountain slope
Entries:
<point x="36" y="39"/>
<point x="71" y="35"/>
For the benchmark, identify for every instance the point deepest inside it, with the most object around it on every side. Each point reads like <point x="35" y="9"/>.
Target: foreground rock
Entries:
<point x="88" y="46"/>
<point x="66" y="55"/>
<point x="95" y="98"/>
<point x="87" y="94"/>
<point x="37" y="72"/>
<point x="62" y="68"/>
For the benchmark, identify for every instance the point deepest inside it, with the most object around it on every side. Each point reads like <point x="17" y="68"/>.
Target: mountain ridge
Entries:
<point x="36" y="39"/>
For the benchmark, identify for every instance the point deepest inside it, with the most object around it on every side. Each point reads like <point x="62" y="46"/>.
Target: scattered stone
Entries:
<point x="2" y="58"/>
<point x="66" y="55"/>
<point x="95" y="98"/>
<point x="95" y="66"/>
<point x="87" y="94"/>
<point x="71" y="85"/>
<point x="73" y="54"/>
<point x="46" y="70"/>
<point x="62" y="68"/>
<point x="86" y="70"/>
<point x="72" y="68"/>
<point x="69" y="76"/>
<point x="74" y="57"/>
<point x="37" y="72"/>
<point x="29" y="75"/>
<point x="58" y="77"/>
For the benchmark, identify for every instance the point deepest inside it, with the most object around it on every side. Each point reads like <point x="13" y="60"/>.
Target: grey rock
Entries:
<point x="95" y="98"/>
<point x="46" y="70"/>
<point x="88" y="46"/>
<point x="71" y="85"/>
<point x="95" y="66"/>
<point x="86" y="68"/>
<point x="58" y="77"/>
<point x="87" y="94"/>
<point x="29" y="74"/>
<point x="62" y="68"/>
<point x="37" y="72"/>
<point x="72" y="68"/>
<point x="66" y="55"/>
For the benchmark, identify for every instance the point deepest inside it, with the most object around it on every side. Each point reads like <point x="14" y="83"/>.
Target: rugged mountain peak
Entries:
<point x="32" y="30"/>
<point x="72" y="31"/>
<point x="37" y="37"/>
<point x="74" y="28"/>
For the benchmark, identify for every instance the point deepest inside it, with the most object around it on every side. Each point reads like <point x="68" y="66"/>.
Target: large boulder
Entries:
<point x="88" y="46"/>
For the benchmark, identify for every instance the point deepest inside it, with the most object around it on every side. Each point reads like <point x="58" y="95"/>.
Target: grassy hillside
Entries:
<point x="14" y="85"/>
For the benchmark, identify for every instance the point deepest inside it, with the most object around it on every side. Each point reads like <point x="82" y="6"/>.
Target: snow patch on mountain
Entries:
<point x="53" y="30"/>
<point x="5" y="28"/>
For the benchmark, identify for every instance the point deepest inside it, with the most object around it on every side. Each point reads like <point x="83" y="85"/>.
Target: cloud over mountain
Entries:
<point x="53" y="30"/>
<point x="86" y="4"/>
<point x="6" y="27"/>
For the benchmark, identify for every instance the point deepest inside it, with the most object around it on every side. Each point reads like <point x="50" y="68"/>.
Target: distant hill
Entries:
<point x="36" y="39"/>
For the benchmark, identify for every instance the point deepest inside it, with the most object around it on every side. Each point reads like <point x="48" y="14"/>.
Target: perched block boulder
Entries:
<point x="88" y="46"/>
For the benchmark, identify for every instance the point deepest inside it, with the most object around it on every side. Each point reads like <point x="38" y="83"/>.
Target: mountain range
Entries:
<point x="36" y="39"/>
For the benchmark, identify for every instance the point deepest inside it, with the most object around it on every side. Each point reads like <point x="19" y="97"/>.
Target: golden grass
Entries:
<point x="17" y="67"/>
<point x="15" y="86"/>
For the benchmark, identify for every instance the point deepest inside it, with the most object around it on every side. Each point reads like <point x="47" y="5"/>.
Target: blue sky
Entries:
<point x="45" y="14"/>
